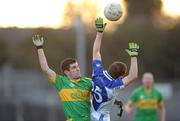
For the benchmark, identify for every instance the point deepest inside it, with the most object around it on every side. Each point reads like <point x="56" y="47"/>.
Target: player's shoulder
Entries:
<point x="138" y="90"/>
<point x="87" y="81"/>
<point x="61" y="77"/>
<point x="86" y="78"/>
<point x="156" y="90"/>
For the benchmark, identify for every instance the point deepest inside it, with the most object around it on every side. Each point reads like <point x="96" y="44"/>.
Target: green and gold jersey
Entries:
<point x="147" y="103"/>
<point x="75" y="95"/>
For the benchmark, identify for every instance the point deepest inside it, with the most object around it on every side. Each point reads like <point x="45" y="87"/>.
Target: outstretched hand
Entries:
<point x="38" y="41"/>
<point x="100" y="25"/>
<point x="133" y="49"/>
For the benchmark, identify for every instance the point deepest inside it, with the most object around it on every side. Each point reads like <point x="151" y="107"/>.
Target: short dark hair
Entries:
<point x="65" y="64"/>
<point x="117" y="69"/>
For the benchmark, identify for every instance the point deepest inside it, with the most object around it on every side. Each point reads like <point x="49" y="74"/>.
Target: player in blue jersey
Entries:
<point x="106" y="84"/>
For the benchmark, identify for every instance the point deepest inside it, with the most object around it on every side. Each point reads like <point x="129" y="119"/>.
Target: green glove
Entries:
<point x="100" y="25"/>
<point x="133" y="49"/>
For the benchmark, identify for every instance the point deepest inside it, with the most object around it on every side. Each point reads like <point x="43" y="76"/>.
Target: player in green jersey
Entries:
<point x="73" y="89"/>
<point x="148" y="100"/>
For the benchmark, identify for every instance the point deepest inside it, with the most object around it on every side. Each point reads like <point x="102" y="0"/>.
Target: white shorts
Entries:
<point x="95" y="116"/>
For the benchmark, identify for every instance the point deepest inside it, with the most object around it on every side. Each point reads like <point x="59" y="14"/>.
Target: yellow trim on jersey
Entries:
<point x="54" y="78"/>
<point x="147" y="103"/>
<point x="74" y="95"/>
<point x="75" y="80"/>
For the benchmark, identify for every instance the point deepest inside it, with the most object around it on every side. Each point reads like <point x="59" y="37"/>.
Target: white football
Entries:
<point x="113" y="11"/>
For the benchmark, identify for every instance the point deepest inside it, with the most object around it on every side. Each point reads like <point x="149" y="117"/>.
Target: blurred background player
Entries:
<point x="106" y="84"/>
<point x="148" y="100"/>
<point x="73" y="89"/>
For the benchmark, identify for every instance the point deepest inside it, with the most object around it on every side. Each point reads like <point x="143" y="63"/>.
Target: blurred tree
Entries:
<point x="145" y="8"/>
<point x="171" y="61"/>
<point x="3" y="52"/>
<point x="59" y="44"/>
<point x="83" y="10"/>
<point x="159" y="49"/>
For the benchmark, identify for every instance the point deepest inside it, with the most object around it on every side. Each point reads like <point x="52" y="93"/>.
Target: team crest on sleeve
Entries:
<point x="98" y="65"/>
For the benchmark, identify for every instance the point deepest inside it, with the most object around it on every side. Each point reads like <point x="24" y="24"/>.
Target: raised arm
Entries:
<point x="133" y="71"/>
<point x="100" y="26"/>
<point x="38" y="42"/>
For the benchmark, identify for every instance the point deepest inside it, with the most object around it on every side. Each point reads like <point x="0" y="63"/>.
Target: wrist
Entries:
<point x="133" y="56"/>
<point x="99" y="33"/>
<point x="39" y="47"/>
<point x="134" y="53"/>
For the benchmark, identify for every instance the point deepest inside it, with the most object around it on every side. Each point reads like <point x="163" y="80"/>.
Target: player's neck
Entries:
<point x="74" y="79"/>
<point x="147" y="89"/>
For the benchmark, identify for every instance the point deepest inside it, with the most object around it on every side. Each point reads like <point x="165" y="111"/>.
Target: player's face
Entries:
<point x="74" y="71"/>
<point x="148" y="80"/>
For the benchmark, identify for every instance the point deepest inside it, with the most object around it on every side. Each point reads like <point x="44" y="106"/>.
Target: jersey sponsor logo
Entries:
<point x="147" y="103"/>
<point x="74" y="95"/>
<point x="54" y="78"/>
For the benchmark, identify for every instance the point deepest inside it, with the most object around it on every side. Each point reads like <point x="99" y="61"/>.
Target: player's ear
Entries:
<point x="66" y="72"/>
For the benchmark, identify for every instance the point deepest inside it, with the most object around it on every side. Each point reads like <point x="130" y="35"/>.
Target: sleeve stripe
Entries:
<point x="107" y="75"/>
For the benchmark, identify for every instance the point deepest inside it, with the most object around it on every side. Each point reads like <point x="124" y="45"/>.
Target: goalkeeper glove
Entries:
<point x="100" y="25"/>
<point x="133" y="49"/>
<point x="38" y="41"/>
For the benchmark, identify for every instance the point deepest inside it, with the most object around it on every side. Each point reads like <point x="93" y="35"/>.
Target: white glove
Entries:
<point x="38" y="41"/>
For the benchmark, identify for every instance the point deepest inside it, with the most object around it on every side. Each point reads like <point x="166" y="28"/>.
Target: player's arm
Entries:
<point x="162" y="112"/>
<point x="133" y="71"/>
<point x="129" y="107"/>
<point x="38" y="42"/>
<point x="100" y="26"/>
<point x="131" y="101"/>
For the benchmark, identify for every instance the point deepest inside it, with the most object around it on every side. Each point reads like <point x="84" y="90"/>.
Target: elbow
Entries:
<point x="133" y="76"/>
<point x="95" y="51"/>
<point x="45" y="69"/>
<point x="96" y="54"/>
<point x="130" y="78"/>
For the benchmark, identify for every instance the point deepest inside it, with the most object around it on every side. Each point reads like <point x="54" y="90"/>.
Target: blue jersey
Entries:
<point x="104" y="91"/>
